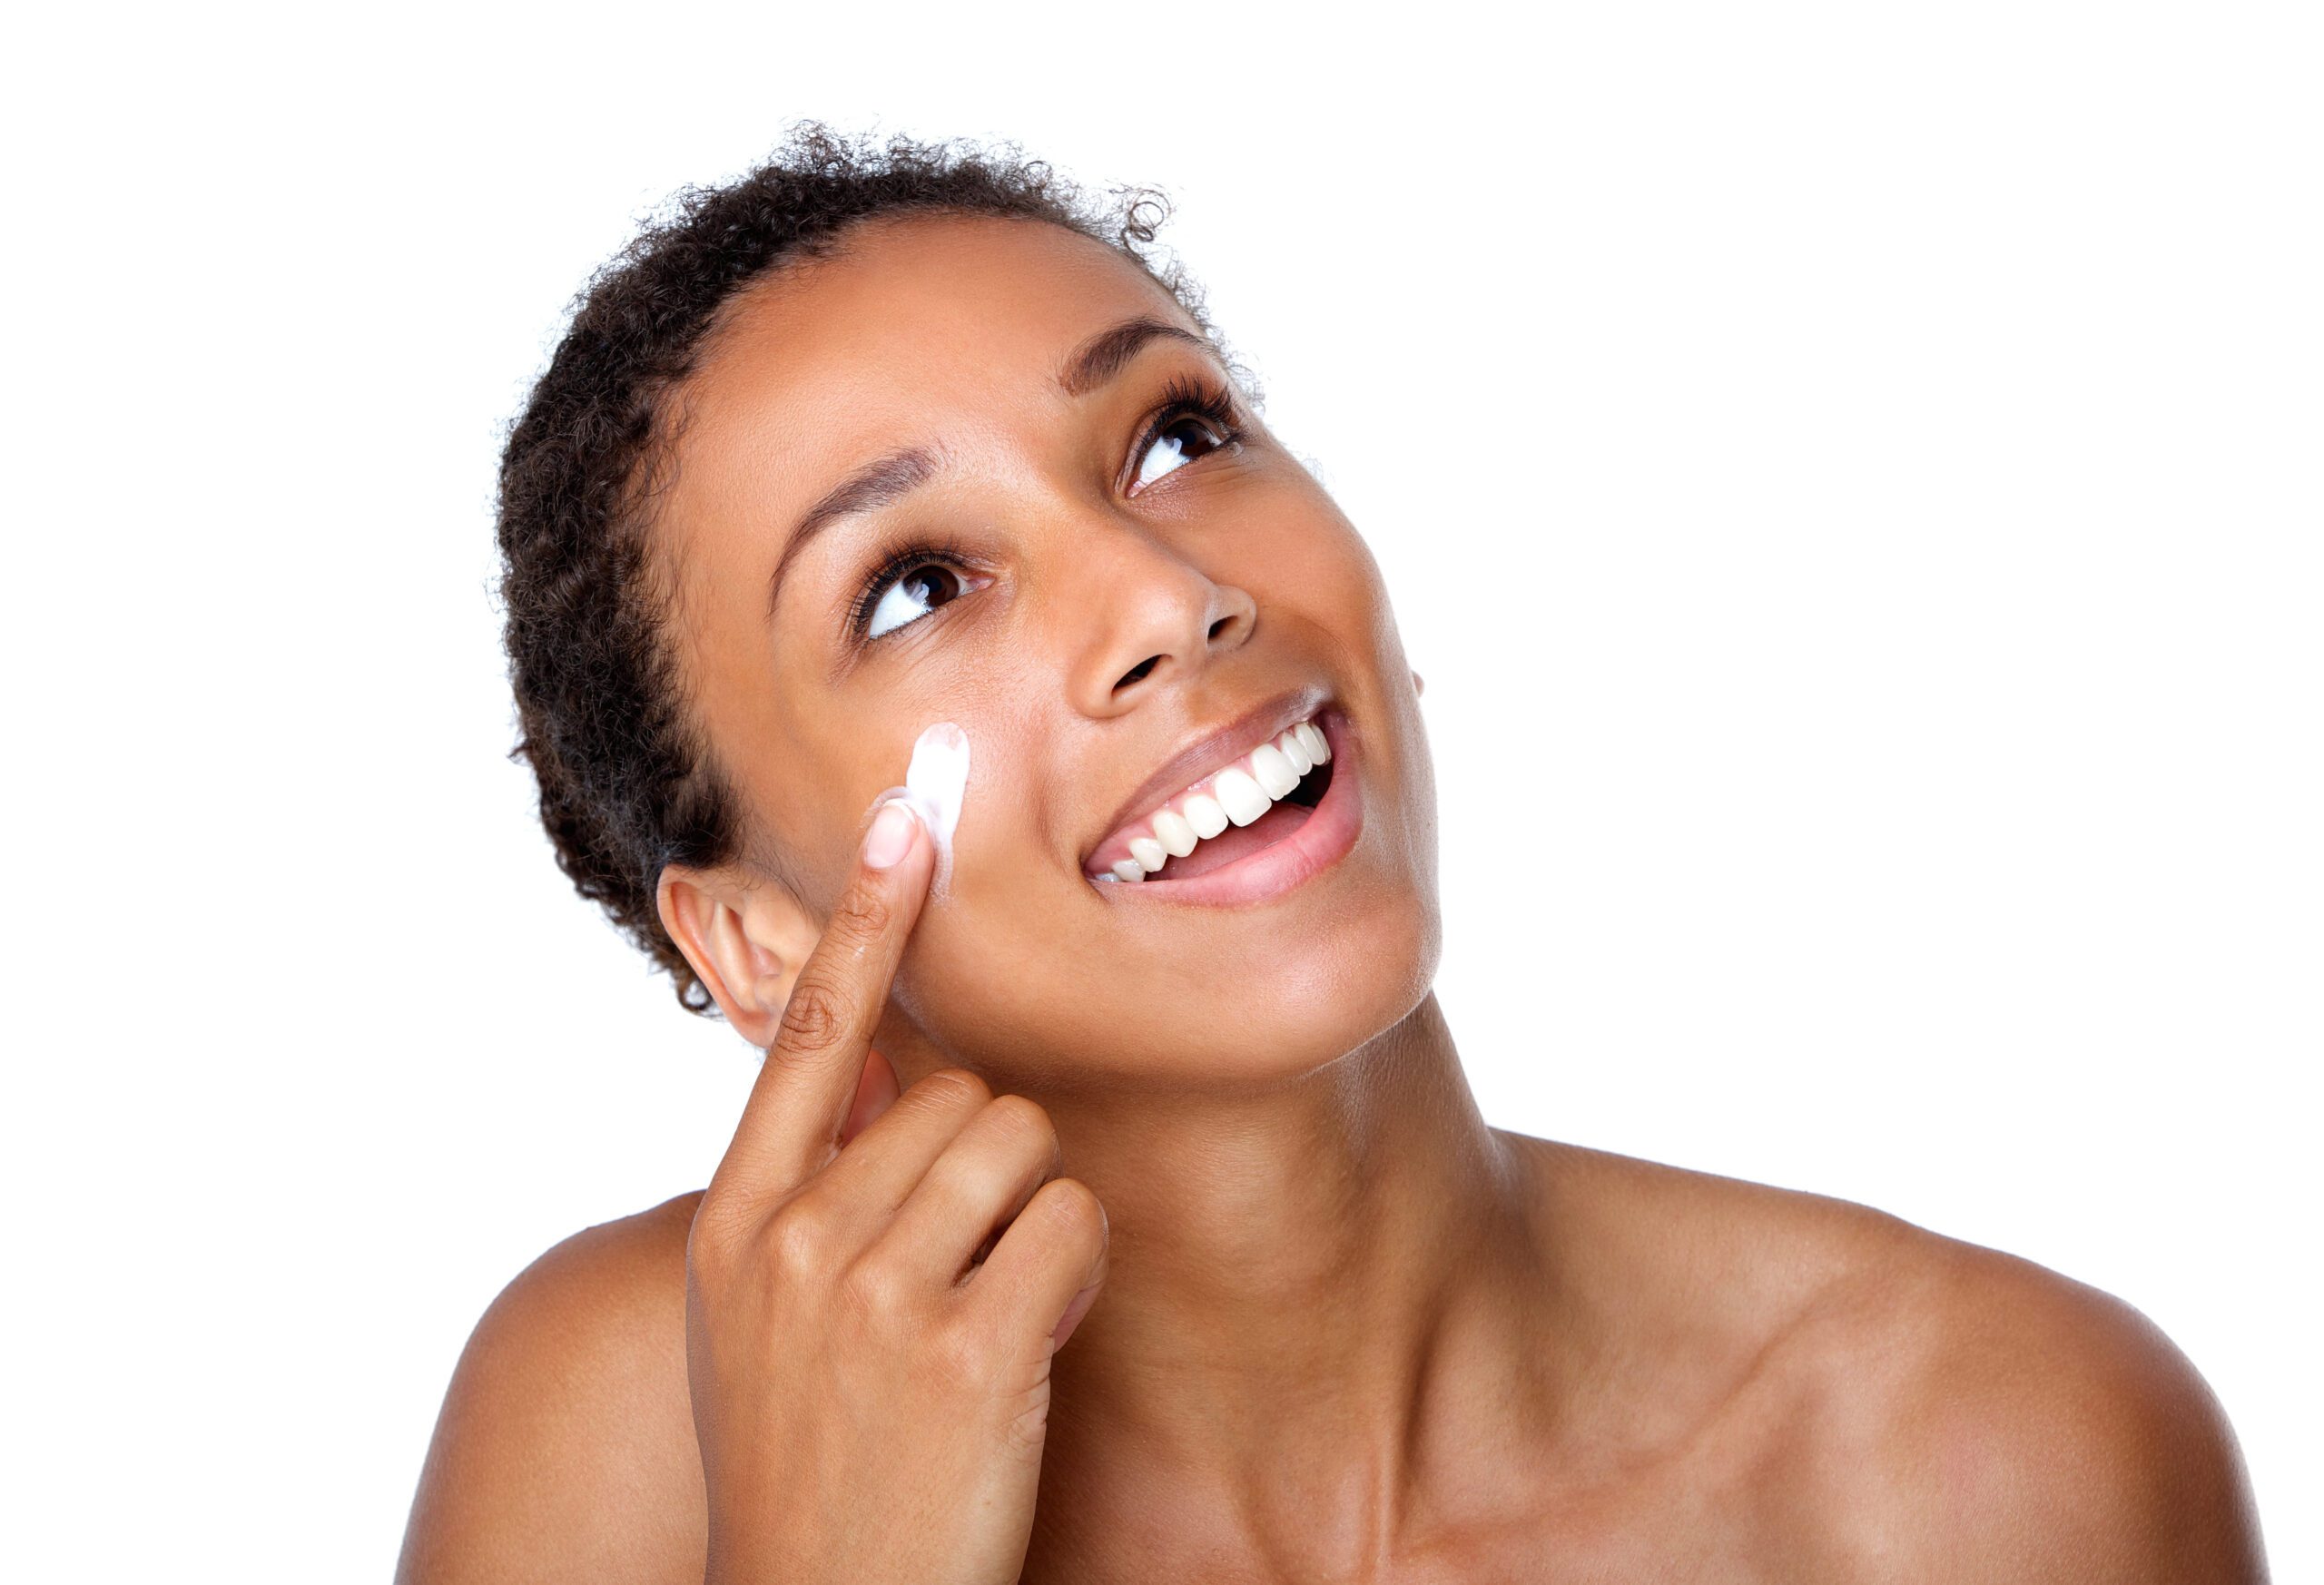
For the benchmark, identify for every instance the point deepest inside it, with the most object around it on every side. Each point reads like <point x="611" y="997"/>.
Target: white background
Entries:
<point x="1850" y="476"/>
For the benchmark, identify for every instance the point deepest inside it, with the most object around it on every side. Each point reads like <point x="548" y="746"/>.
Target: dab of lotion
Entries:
<point x="936" y="785"/>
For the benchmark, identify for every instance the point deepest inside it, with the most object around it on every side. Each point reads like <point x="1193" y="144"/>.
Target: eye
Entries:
<point x="1167" y="453"/>
<point x="911" y="594"/>
<point x="1196" y="418"/>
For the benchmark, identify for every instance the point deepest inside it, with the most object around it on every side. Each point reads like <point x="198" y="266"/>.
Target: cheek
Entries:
<point x="1339" y="581"/>
<point x="1039" y="1013"/>
<point x="1350" y="602"/>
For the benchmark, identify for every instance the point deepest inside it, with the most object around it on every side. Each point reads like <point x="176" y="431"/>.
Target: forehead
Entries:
<point x="911" y="322"/>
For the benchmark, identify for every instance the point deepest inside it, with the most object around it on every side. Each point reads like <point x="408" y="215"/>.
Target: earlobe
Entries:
<point x="745" y="940"/>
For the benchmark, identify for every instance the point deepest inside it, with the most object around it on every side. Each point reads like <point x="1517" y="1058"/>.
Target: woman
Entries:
<point x="1117" y="1209"/>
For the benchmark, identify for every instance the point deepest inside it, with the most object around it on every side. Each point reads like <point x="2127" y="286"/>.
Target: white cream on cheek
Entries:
<point x="936" y="784"/>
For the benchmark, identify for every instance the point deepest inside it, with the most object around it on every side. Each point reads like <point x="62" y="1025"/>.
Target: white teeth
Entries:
<point x="1272" y="771"/>
<point x="1243" y="799"/>
<point x="1204" y="813"/>
<point x="1238" y="796"/>
<point x="1177" y="834"/>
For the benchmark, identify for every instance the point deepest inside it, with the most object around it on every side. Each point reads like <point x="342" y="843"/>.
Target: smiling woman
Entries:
<point x="874" y="438"/>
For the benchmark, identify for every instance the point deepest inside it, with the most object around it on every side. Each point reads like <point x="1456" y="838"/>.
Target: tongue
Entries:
<point x="1237" y="842"/>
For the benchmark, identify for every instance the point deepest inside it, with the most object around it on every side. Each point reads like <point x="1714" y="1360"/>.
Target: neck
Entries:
<point x="1321" y="1277"/>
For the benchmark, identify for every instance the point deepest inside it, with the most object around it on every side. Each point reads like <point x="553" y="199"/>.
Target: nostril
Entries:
<point x="1221" y="626"/>
<point x="1136" y="672"/>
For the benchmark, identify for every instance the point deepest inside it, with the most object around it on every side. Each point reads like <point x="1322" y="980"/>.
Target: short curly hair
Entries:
<point x="628" y="783"/>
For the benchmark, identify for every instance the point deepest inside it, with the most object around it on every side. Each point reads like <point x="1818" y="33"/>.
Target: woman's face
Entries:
<point x="1113" y="612"/>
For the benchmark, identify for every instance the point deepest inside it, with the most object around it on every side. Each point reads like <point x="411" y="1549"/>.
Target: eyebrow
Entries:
<point x="874" y="485"/>
<point x="888" y="480"/>
<point x="1104" y="354"/>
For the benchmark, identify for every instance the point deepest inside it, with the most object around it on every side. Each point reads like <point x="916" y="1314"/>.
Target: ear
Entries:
<point x="745" y="937"/>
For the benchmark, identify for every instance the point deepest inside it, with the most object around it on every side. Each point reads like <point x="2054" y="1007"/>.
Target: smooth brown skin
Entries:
<point x="1346" y="1331"/>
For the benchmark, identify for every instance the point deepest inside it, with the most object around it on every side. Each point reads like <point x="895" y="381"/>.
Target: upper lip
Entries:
<point x="1210" y="751"/>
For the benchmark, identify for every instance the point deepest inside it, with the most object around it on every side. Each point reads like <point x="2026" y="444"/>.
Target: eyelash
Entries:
<point x="1186" y="396"/>
<point x="891" y="566"/>
<point x="1191" y="397"/>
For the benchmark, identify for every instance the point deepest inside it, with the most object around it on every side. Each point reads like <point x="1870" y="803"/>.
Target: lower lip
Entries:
<point x="1322" y="839"/>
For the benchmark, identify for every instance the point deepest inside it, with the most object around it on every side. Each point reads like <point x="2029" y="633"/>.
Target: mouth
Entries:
<point x="1275" y="803"/>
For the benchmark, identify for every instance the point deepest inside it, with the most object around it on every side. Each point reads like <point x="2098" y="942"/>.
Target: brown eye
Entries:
<point x="1182" y="440"/>
<point x="916" y="591"/>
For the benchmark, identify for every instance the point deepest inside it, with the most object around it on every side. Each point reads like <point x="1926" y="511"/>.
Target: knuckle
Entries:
<point x="1025" y="1121"/>
<point x="707" y="1258"/>
<point x="955" y="1087"/>
<point x="875" y="1290"/>
<point x="720" y="1229"/>
<point x="1028" y="1429"/>
<point x="863" y="914"/>
<point x="1074" y="1210"/>
<point x="798" y="1244"/>
<point x="814" y="1019"/>
<point x="961" y="1352"/>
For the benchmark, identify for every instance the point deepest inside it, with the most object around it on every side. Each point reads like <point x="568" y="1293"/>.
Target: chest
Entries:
<point x="1684" y="1519"/>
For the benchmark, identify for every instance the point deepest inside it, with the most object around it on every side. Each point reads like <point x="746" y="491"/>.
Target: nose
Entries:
<point x="1153" y="615"/>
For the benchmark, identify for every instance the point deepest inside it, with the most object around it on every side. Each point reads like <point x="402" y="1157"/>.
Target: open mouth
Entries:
<point x="1255" y="801"/>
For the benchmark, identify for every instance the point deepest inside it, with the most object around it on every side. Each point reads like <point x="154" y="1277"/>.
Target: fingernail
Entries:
<point x="890" y="838"/>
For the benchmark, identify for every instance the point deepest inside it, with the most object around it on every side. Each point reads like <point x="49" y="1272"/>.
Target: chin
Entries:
<point x="1039" y="1022"/>
<point x="1317" y="1003"/>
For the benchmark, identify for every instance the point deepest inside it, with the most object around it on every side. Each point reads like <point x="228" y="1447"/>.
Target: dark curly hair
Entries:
<point x="627" y="781"/>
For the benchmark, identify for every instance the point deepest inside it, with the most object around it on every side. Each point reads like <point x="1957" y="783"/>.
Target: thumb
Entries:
<point x="875" y="1092"/>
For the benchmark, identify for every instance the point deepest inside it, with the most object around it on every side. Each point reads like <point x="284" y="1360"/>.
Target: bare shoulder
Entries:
<point x="2013" y="1422"/>
<point x="565" y="1445"/>
<point x="1919" y="1407"/>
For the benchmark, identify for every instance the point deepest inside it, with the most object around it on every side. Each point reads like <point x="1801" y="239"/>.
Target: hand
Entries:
<point x="871" y="1403"/>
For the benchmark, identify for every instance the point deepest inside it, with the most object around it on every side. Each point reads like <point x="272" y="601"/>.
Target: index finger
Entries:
<point x="791" y="1124"/>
